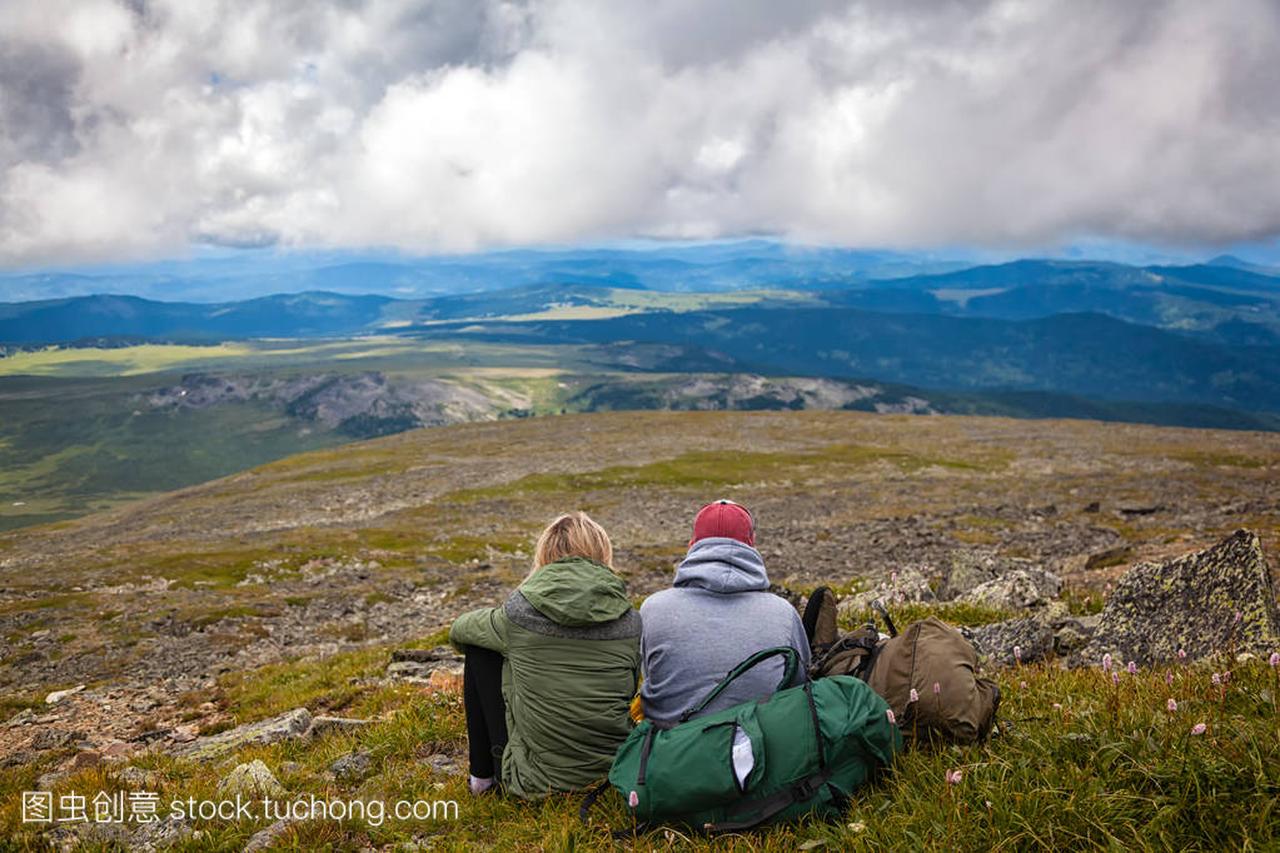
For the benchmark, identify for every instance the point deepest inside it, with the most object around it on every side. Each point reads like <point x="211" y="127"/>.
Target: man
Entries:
<point x="717" y="613"/>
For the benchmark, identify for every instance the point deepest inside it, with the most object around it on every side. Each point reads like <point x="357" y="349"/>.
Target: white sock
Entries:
<point x="479" y="786"/>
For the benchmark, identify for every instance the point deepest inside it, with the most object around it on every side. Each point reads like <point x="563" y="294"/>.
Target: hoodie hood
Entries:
<point x="576" y="592"/>
<point x="722" y="565"/>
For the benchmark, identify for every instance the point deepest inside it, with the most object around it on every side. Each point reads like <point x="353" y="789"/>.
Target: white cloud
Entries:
<point x="130" y="130"/>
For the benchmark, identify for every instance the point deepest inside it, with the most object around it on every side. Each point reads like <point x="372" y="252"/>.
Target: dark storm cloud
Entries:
<point x="135" y="129"/>
<point x="36" y="101"/>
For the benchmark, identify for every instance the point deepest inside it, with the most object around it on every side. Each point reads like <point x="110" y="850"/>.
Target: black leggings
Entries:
<point x="486" y="710"/>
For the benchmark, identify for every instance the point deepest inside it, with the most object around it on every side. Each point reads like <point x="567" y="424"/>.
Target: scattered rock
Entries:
<point x="58" y="695"/>
<point x="1020" y="589"/>
<point x="251" y="780"/>
<point x="1108" y="557"/>
<point x="184" y="734"/>
<point x="1033" y="638"/>
<point x="444" y="681"/>
<point x="442" y="763"/>
<point x="86" y="758"/>
<point x="1093" y="506"/>
<point x="968" y="569"/>
<point x="1073" y="633"/>
<point x="137" y="778"/>
<point x="46" y="781"/>
<point x="47" y="739"/>
<point x="161" y="835"/>
<point x="17" y="758"/>
<point x="1202" y="602"/>
<point x="352" y="767"/>
<point x="438" y="654"/>
<point x="902" y="586"/>
<point x="263" y="839"/>
<point x="417" y="666"/>
<point x="118" y="749"/>
<point x="91" y="835"/>
<point x="25" y="717"/>
<point x="1141" y="510"/>
<point x="323" y="725"/>
<point x="290" y="724"/>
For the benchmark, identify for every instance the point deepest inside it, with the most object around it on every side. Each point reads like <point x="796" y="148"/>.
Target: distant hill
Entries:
<point x="1239" y="263"/>
<point x="1198" y="299"/>
<point x="675" y="267"/>
<point x="1086" y="354"/>
<point x="287" y="315"/>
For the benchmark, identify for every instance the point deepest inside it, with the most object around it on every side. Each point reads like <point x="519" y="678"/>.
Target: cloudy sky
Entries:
<point x="133" y="129"/>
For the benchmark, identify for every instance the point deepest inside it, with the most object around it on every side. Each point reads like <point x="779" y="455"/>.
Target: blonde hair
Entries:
<point x="573" y="534"/>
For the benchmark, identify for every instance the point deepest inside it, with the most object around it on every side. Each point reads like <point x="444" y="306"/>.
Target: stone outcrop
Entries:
<point x="417" y="666"/>
<point x="903" y="586"/>
<point x="250" y="781"/>
<point x="1220" y="598"/>
<point x="353" y="766"/>
<point x="1032" y="638"/>
<point x="288" y="725"/>
<point x="1019" y="589"/>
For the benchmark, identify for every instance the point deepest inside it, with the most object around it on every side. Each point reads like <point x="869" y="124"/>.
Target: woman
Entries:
<point x="549" y="675"/>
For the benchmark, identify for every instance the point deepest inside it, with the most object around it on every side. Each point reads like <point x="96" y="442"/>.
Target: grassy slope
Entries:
<point x="1110" y="767"/>
<point x="1083" y="763"/>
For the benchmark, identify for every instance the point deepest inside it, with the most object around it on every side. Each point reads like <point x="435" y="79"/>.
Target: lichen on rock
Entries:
<point x="1217" y="599"/>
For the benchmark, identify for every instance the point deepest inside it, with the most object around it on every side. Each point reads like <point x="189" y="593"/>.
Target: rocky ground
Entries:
<point x="379" y="545"/>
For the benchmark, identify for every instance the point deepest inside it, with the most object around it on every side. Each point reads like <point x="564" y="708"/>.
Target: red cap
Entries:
<point x="724" y="519"/>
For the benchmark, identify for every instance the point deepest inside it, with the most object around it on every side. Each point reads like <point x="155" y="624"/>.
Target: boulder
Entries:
<point x="969" y="569"/>
<point x="162" y="834"/>
<point x="264" y="838"/>
<point x="441" y="763"/>
<point x="903" y="586"/>
<point x="996" y="642"/>
<point x="58" y="695"/>
<point x="1203" y="602"/>
<point x="1020" y="589"/>
<point x="290" y="724"/>
<point x="1073" y="633"/>
<point x="417" y="666"/>
<point x="321" y="725"/>
<point x="47" y="739"/>
<point x="251" y="781"/>
<point x="352" y="767"/>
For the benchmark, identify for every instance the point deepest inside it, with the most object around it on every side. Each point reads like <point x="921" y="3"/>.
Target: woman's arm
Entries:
<point x="486" y="628"/>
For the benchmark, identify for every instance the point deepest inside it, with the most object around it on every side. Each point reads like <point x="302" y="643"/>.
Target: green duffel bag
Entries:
<point x="803" y="750"/>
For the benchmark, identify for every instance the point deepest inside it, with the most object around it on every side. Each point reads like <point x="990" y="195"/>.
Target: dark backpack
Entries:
<point x="935" y="660"/>
<point x="928" y="653"/>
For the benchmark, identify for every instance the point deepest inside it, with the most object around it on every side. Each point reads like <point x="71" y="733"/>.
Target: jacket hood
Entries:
<point x="576" y="592"/>
<point x="722" y="565"/>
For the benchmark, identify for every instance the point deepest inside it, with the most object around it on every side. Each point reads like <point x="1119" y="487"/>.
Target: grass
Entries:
<point x="1081" y="762"/>
<point x="704" y="469"/>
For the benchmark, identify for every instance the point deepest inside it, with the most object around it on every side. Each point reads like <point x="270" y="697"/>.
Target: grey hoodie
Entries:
<point x="718" y="613"/>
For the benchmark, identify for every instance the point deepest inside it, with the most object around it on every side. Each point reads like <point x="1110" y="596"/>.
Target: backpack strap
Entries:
<point x="789" y="673"/>
<point x="590" y="800"/>
<point x="766" y="808"/>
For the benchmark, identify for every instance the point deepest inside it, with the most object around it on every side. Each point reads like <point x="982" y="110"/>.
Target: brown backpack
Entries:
<point x="952" y="703"/>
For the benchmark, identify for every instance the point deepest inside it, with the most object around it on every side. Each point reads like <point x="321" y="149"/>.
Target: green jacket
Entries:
<point x="571" y="640"/>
